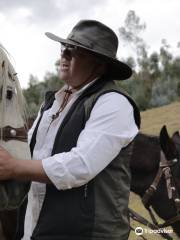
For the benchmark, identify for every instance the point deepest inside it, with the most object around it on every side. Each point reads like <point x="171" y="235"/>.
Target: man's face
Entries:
<point x="76" y="65"/>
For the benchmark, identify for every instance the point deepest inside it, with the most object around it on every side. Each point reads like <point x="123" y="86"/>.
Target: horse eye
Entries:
<point x="9" y="94"/>
<point x="3" y="63"/>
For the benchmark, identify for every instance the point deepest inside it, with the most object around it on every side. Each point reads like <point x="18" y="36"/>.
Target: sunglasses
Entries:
<point x="69" y="51"/>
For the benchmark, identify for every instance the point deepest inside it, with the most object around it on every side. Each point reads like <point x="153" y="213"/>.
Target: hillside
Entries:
<point x="152" y="121"/>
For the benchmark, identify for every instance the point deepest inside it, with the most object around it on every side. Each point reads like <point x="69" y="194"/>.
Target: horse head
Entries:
<point x="171" y="150"/>
<point x="12" y="104"/>
<point x="145" y="164"/>
<point x="13" y="137"/>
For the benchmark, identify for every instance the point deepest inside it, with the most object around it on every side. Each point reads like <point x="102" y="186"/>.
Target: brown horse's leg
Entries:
<point x="9" y="223"/>
<point x="2" y="237"/>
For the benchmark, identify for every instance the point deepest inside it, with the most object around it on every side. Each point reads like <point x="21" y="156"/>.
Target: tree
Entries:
<point x="142" y="81"/>
<point x="156" y="76"/>
<point x="166" y="88"/>
<point x="36" y="90"/>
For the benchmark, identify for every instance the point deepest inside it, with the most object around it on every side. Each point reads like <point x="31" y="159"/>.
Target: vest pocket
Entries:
<point x="87" y="201"/>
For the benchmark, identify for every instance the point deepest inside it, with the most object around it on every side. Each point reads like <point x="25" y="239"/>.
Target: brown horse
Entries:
<point x="144" y="164"/>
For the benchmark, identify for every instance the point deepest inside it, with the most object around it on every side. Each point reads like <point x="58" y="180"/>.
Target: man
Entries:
<point x="80" y="179"/>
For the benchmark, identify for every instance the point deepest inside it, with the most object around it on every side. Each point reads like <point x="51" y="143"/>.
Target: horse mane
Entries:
<point x="6" y="69"/>
<point x="146" y="153"/>
<point x="153" y="139"/>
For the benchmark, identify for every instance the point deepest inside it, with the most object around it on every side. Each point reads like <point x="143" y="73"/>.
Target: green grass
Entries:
<point x="152" y="121"/>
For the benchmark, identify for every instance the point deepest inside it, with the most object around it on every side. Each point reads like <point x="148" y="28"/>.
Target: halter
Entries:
<point x="164" y="169"/>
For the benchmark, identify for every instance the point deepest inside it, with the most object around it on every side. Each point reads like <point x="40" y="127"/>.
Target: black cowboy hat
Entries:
<point x="99" y="39"/>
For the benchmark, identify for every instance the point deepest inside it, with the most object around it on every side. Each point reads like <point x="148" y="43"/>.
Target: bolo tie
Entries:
<point x="68" y="93"/>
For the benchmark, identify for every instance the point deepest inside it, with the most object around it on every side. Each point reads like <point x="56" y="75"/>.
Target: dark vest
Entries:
<point x="97" y="210"/>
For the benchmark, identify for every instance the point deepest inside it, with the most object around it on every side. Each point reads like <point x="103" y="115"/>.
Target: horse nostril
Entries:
<point x="9" y="94"/>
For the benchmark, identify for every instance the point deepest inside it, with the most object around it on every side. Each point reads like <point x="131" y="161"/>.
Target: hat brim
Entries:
<point x="117" y="70"/>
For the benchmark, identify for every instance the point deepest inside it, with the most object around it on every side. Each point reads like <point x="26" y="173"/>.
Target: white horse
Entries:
<point x="13" y="137"/>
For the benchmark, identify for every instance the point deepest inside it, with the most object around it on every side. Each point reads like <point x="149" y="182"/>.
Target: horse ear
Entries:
<point x="166" y="143"/>
<point x="163" y="130"/>
<point x="176" y="137"/>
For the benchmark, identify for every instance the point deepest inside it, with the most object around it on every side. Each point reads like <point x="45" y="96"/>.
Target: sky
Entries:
<point x="24" y="22"/>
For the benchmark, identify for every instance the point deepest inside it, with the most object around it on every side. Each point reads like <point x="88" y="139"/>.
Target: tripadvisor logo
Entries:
<point x="139" y="231"/>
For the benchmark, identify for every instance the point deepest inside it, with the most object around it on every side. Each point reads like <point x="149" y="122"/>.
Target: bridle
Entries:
<point x="166" y="171"/>
<point x="9" y="133"/>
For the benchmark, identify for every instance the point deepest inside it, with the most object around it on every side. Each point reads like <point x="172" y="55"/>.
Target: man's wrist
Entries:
<point x="29" y="170"/>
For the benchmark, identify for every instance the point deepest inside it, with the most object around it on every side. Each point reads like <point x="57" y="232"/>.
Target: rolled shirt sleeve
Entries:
<point x="111" y="127"/>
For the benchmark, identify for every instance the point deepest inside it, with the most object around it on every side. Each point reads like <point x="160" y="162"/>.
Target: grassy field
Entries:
<point x="152" y="121"/>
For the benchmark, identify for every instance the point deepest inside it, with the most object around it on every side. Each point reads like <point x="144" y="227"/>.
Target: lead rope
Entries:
<point x="140" y="219"/>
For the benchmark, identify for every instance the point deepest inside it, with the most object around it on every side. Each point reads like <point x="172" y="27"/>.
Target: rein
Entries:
<point x="166" y="171"/>
<point x="9" y="133"/>
<point x="138" y="218"/>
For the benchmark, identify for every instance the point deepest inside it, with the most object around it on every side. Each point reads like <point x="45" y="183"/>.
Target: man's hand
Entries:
<point x="7" y="164"/>
<point x="12" y="168"/>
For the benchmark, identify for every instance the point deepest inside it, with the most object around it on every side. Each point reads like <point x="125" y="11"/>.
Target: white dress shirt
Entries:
<point x="111" y="127"/>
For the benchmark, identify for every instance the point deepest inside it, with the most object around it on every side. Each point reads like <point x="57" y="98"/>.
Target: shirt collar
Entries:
<point x="74" y="92"/>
